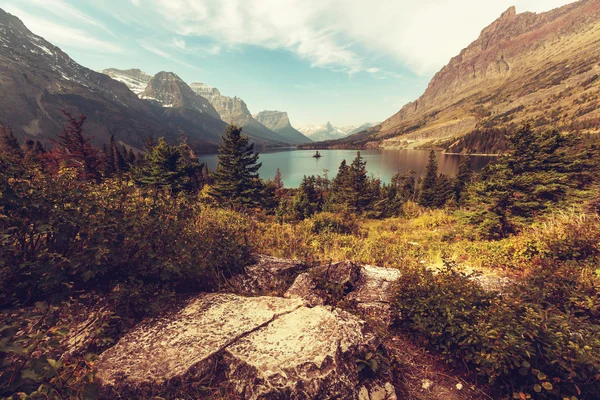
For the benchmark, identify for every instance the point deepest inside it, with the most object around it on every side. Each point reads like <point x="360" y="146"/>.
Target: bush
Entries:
<point x="326" y="222"/>
<point x="539" y="339"/>
<point x="60" y="235"/>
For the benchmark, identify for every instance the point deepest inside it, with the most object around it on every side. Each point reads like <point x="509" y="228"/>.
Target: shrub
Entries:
<point x="334" y="223"/>
<point x="538" y="339"/>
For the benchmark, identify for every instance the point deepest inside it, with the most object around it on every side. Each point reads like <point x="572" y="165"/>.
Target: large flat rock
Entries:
<point x="179" y="344"/>
<point x="255" y="347"/>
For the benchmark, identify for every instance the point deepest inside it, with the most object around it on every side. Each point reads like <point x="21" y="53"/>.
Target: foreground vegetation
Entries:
<point x="128" y="234"/>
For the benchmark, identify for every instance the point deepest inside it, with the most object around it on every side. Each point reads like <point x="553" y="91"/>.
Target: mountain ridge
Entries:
<point x="527" y="66"/>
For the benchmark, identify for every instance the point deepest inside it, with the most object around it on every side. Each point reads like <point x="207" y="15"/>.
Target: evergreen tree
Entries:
<point x="427" y="197"/>
<point x="130" y="157"/>
<point x="340" y="187"/>
<point x="443" y="190"/>
<point x="526" y="181"/>
<point x="236" y="177"/>
<point x="463" y="178"/>
<point x="73" y="150"/>
<point x="149" y="143"/>
<point x="277" y="179"/>
<point x="116" y="157"/>
<point x="170" y="167"/>
<point x="362" y="195"/>
<point x="9" y="145"/>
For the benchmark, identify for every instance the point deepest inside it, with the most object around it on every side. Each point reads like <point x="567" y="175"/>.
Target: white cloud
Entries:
<point x="136" y="3"/>
<point x="159" y="52"/>
<point x="179" y="43"/>
<point x="63" y="35"/>
<point x="345" y="35"/>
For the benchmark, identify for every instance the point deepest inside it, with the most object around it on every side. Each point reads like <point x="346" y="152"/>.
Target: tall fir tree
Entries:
<point x="236" y="180"/>
<point x="427" y="196"/>
<point x="9" y="144"/>
<point x="277" y="179"/>
<point x="464" y="178"/>
<point x="116" y="157"/>
<point x="73" y="150"/>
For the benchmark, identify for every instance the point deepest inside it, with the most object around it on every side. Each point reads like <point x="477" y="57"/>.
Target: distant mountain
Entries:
<point x="319" y="133"/>
<point x="135" y="79"/>
<point x="541" y="68"/>
<point x="38" y="81"/>
<point x="279" y="122"/>
<point x="170" y="91"/>
<point x="234" y="110"/>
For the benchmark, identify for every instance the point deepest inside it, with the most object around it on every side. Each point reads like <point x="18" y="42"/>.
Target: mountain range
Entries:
<point x="38" y="81"/>
<point x="320" y="133"/>
<point x="539" y="68"/>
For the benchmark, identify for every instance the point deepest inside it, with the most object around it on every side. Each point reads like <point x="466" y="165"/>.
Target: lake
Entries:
<point x="294" y="164"/>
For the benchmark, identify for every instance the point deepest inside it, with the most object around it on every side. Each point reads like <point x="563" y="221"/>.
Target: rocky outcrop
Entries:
<point x="278" y="121"/>
<point x="256" y="347"/>
<point x="263" y="347"/>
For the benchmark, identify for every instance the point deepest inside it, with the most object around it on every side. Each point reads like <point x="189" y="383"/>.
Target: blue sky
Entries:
<point x="344" y="61"/>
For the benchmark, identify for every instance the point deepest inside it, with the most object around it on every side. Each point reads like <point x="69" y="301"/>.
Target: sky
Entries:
<point x="343" y="61"/>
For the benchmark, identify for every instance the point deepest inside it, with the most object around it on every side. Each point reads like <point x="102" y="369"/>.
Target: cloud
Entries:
<point x="64" y="10"/>
<point x="136" y="3"/>
<point x="344" y="35"/>
<point x="159" y="52"/>
<point x="63" y="35"/>
<point x="179" y="43"/>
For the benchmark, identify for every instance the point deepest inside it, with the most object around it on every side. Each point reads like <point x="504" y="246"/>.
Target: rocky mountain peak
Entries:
<point x="279" y="122"/>
<point x="168" y="89"/>
<point x="204" y="90"/>
<point x="511" y="12"/>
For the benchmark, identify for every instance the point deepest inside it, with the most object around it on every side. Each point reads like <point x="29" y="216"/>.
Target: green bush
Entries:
<point x="59" y="235"/>
<point x="539" y="339"/>
<point x="326" y="222"/>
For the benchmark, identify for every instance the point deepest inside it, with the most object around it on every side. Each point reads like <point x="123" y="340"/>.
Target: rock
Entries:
<point x="159" y="353"/>
<point x="374" y="293"/>
<point x="256" y="347"/>
<point x="270" y="275"/>
<point x="325" y="284"/>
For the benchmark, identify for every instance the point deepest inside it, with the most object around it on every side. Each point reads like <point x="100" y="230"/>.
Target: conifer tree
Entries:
<point x="9" y="145"/>
<point x="463" y="178"/>
<point x="427" y="197"/>
<point x="149" y="143"/>
<point x="73" y="150"/>
<point x="116" y="157"/>
<point x="169" y="167"/>
<point x="277" y="179"/>
<point x="359" y="185"/>
<point x="531" y="178"/>
<point x="443" y="190"/>
<point x="236" y="181"/>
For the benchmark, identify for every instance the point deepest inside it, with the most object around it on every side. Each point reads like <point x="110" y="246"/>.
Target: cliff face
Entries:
<point x="279" y="122"/>
<point x="523" y="66"/>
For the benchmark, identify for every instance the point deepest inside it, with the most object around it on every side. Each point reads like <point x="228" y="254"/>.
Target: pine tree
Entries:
<point x="362" y="196"/>
<point x="9" y="145"/>
<point x="428" y="195"/>
<point x="73" y="150"/>
<point x="236" y="177"/>
<point x="116" y="157"/>
<point x="526" y="181"/>
<point x="463" y="178"/>
<point x="277" y="179"/>
<point x="169" y="167"/>
<point x="443" y="190"/>
<point x="149" y="143"/>
<point x="131" y="157"/>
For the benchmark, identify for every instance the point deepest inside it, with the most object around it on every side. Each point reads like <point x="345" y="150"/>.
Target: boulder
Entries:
<point x="326" y="284"/>
<point x="374" y="293"/>
<point x="256" y="347"/>
<point x="268" y="276"/>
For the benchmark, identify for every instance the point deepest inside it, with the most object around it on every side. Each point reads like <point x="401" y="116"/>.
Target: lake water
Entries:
<point x="294" y="164"/>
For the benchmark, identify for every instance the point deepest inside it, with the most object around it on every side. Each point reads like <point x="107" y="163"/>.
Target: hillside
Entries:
<point x="541" y="68"/>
